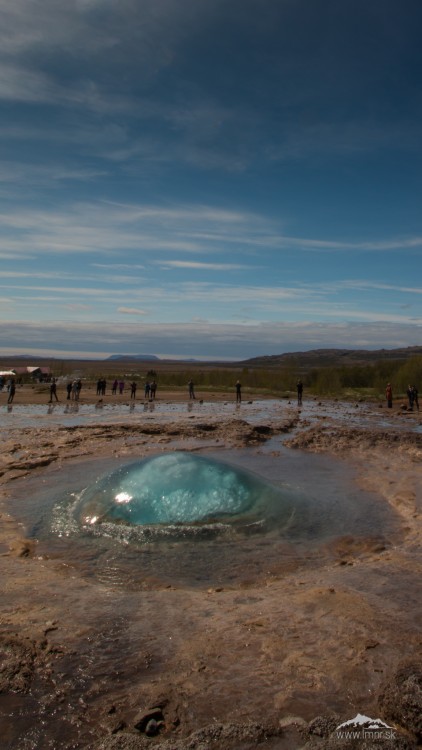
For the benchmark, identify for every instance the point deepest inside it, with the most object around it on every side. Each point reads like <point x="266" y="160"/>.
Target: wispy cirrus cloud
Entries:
<point x="214" y="302"/>
<point x="21" y="84"/>
<point x="37" y="174"/>
<point x="131" y="311"/>
<point x="368" y="285"/>
<point x="198" y="266"/>
<point x="109" y="228"/>
<point x="119" y="266"/>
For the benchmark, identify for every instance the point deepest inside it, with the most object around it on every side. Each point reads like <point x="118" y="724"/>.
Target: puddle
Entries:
<point x="363" y="416"/>
<point x="75" y="414"/>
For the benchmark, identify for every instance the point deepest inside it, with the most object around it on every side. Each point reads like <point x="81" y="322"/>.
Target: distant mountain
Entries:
<point x="23" y="356"/>
<point x="334" y="357"/>
<point x="142" y="358"/>
<point x="133" y="357"/>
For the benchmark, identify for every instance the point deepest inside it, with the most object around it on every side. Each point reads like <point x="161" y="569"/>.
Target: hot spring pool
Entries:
<point x="183" y="517"/>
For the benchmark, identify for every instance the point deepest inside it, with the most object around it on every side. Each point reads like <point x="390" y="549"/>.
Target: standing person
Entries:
<point x="69" y="389"/>
<point x="147" y="389"/>
<point x="53" y="390"/>
<point x="133" y="390"/>
<point x="153" y="389"/>
<point x="410" y="396"/>
<point x="12" y="391"/>
<point x="114" y="388"/>
<point x="238" y="392"/>
<point x="299" y="387"/>
<point x="191" y="389"/>
<point x="415" y="396"/>
<point x="121" y="386"/>
<point x="389" y="395"/>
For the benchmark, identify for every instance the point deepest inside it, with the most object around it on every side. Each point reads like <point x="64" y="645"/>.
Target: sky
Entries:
<point x="209" y="179"/>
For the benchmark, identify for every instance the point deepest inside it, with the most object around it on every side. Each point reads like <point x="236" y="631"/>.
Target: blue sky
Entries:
<point x="217" y="179"/>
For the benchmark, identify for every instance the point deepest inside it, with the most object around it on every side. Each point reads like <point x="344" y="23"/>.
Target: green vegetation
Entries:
<point x="345" y="381"/>
<point x="350" y="382"/>
<point x="368" y="381"/>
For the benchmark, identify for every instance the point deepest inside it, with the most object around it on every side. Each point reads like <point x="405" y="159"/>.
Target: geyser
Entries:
<point x="188" y="518"/>
<point x="176" y="488"/>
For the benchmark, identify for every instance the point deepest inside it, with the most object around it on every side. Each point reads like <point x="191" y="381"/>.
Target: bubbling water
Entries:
<point x="191" y="519"/>
<point x="176" y="489"/>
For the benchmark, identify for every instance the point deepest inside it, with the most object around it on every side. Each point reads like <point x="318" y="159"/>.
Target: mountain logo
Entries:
<point x="364" y="721"/>
<point x="363" y="727"/>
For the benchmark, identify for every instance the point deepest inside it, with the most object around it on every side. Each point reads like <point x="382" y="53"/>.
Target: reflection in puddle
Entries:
<point x="72" y="408"/>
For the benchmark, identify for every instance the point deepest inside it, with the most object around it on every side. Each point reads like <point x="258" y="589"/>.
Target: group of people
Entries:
<point x="412" y="396"/>
<point x="101" y="386"/>
<point x="118" y="385"/>
<point x="411" y="393"/>
<point x="73" y="389"/>
<point x="150" y="390"/>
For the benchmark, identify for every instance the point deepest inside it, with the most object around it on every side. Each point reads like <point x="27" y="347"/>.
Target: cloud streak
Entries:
<point x="109" y="228"/>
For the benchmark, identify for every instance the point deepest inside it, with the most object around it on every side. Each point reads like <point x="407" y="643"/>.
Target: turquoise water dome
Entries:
<point x="176" y="488"/>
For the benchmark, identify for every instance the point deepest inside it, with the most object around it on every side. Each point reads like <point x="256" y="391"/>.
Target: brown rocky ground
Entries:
<point x="255" y="663"/>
